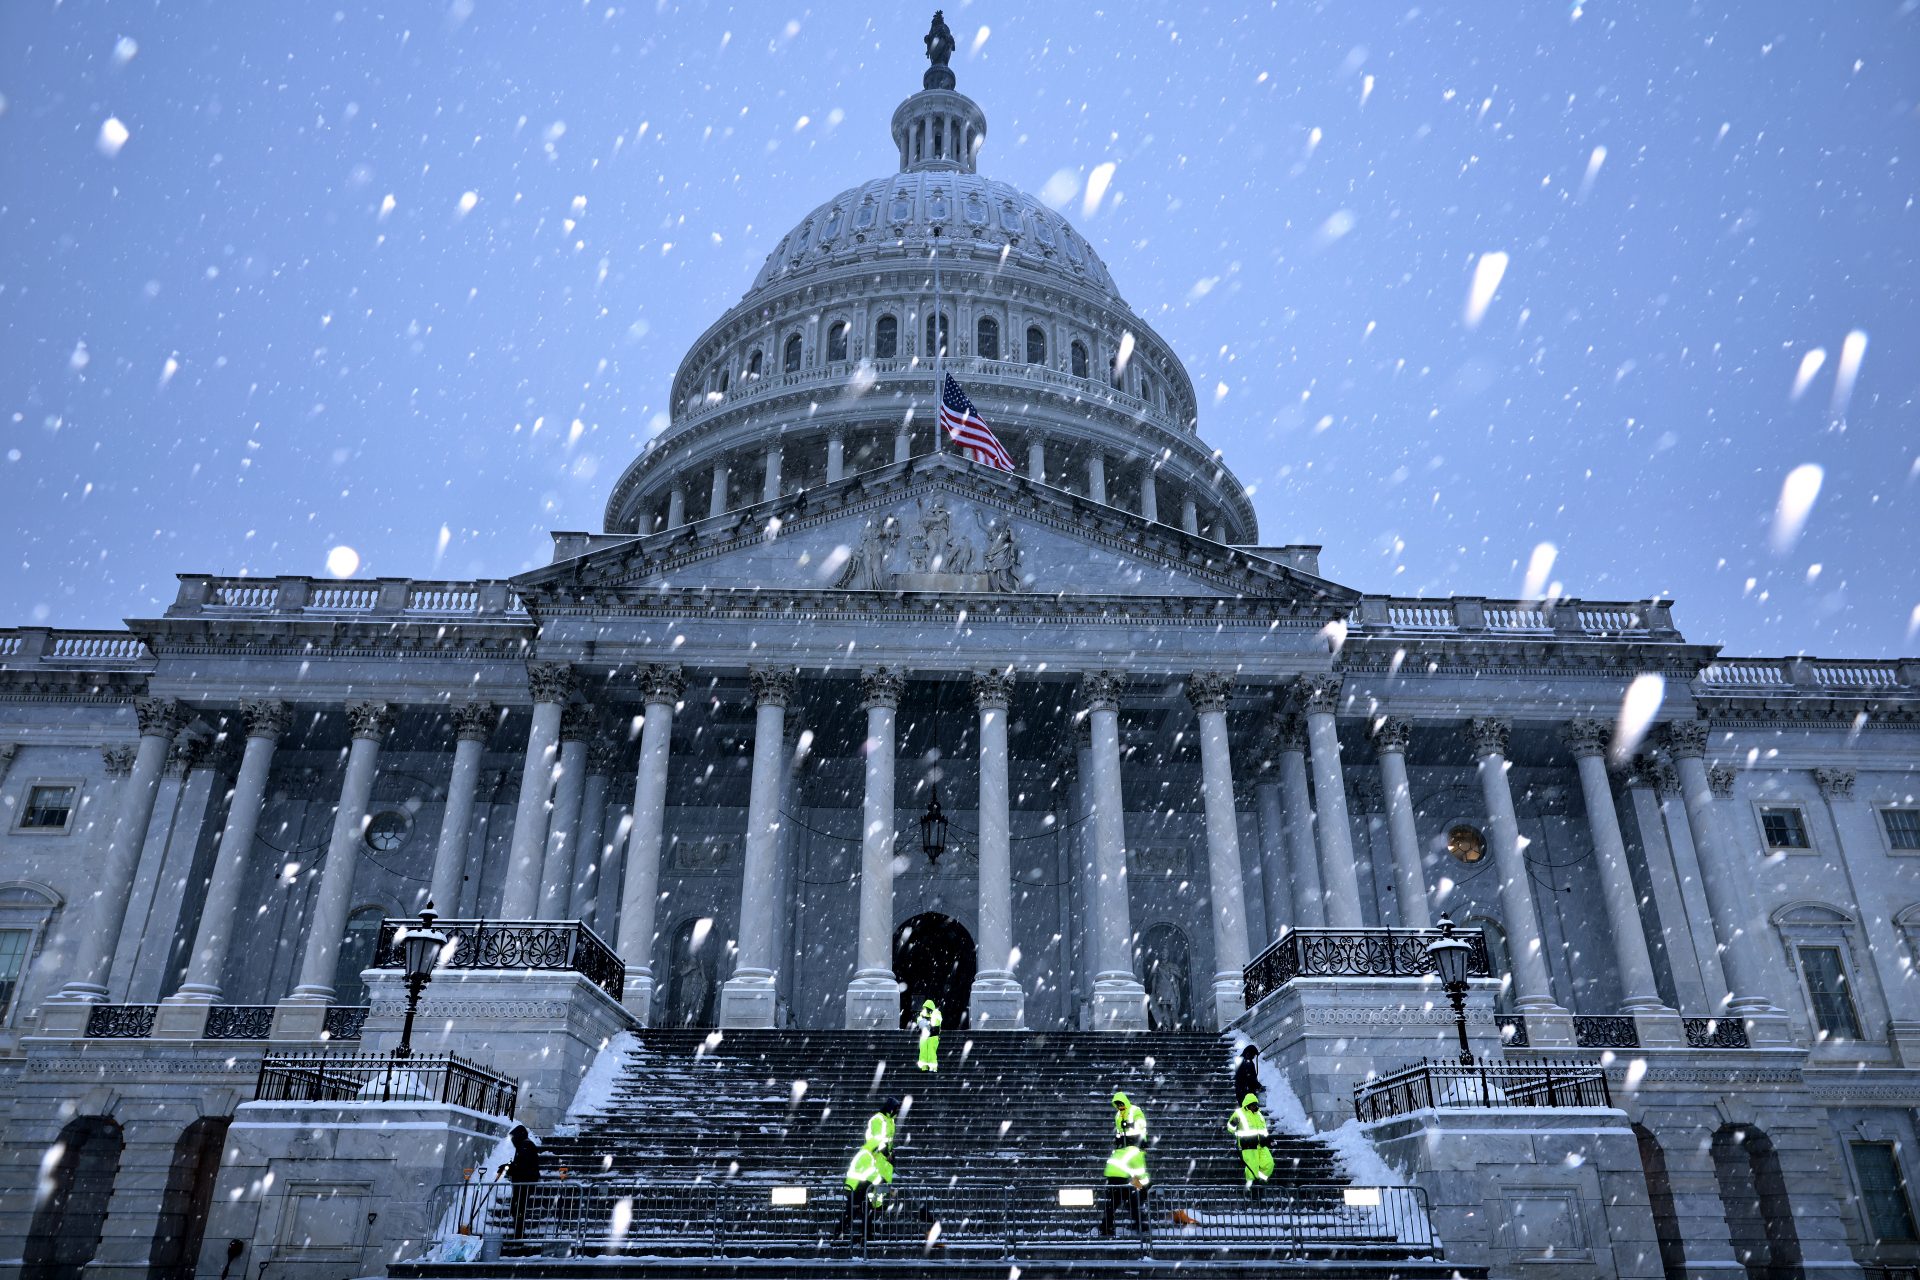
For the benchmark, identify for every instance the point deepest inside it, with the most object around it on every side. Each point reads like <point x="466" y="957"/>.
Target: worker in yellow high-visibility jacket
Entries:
<point x="1249" y="1129"/>
<point x="1127" y="1179"/>
<point x="928" y="1024"/>
<point x="868" y="1175"/>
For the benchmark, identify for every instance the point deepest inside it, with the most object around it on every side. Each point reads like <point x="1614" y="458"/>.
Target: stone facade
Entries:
<point x="711" y="731"/>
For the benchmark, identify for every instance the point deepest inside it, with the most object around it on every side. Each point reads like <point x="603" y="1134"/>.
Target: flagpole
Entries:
<point x="939" y="345"/>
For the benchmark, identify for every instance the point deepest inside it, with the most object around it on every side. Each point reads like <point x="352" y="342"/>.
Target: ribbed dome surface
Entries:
<point x="903" y="208"/>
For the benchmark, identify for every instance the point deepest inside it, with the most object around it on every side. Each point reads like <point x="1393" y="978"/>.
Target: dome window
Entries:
<point x="986" y="338"/>
<point x="1043" y="229"/>
<point x="753" y="367"/>
<point x="837" y="342"/>
<point x="886" y="338"/>
<point x="790" y="363"/>
<point x="1079" y="365"/>
<point x="1075" y="254"/>
<point x="831" y="228"/>
<point x="863" y="218"/>
<point x="902" y="207"/>
<point x="975" y="208"/>
<point x="945" y="336"/>
<point x="1036" y="344"/>
<point x="937" y="210"/>
<point x="1010" y="218"/>
<point x="1148" y="391"/>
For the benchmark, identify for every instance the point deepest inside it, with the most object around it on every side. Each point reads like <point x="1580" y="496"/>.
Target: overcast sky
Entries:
<point x="281" y="278"/>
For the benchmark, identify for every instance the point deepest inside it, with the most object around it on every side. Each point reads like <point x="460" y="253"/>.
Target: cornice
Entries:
<point x="306" y="637"/>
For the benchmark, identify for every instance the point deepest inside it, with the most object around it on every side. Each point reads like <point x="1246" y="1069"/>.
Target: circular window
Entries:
<point x="387" y="831"/>
<point x="1466" y="843"/>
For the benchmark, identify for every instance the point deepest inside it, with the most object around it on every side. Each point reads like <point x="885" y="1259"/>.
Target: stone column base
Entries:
<point x="749" y="1000"/>
<point x="1659" y="1028"/>
<point x="873" y="1002"/>
<point x="1548" y="1026"/>
<point x="1766" y="1029"/>
<point x="181" y="1018"/>
<point x="1119" y="1003"/>
<point x="997" y="1003"/>
<point x="637" y="997"/>
<point x="300" y="1018"/>
<point x="1229" y="999"/>
<point x="65" y="1018"/>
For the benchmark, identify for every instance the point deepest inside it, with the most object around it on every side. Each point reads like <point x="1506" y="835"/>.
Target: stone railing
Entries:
<point x="45" y="647"/>
<point x="846" y="377"/>
<point x="1475" y="615"/>
<point x="1354" y="953"/>
<point x="1811" y="675"/>
<point x="201" y="595"/>
<point x="563" y="945"/>
<point x="224" y="1022"/>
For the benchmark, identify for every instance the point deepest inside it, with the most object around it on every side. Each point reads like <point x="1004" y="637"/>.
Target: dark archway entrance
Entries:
<point x="189" y="1195"/>
<point x="65" y="1232"/>
<point x="933" y="956"/>
<point x="1666" y="1217"/>
<point x="1753" y="1192"/>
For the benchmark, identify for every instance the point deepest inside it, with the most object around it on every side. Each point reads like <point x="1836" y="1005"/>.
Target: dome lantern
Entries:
<point x="938" y="128"/>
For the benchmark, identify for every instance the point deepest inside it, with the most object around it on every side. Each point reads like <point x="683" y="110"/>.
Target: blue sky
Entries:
<point x="223" y="350"/>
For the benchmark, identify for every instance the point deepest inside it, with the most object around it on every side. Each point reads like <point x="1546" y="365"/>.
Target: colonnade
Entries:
<point x="1306" y="854"/>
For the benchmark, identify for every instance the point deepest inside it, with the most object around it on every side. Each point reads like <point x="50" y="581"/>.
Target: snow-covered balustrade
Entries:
<point x="566" y="945"/>
<point x="431" y="1077"/>
<point x="1810" y="675"/>
<point x="1430" y="1085"/>
<point x="1476" y="615"/>
<point x="1310" y="952"/>
<point x="201" y="595"/>
<point x="34" y="646"/>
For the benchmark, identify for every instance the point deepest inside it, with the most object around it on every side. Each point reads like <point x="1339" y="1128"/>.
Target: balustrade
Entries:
<point x="1355" y="953"/>
<point x="555" y="945"/>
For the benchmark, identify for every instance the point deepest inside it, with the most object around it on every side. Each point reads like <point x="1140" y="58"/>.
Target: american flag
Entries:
<point x="969" y="430"/>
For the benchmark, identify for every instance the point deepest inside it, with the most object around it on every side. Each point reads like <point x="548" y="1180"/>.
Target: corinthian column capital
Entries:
<point x="577" y="722"/>
<point x="880" y="687"/>
<point x="549" y="681"/>
<point x="370" y="720"/>
<point x="992" y="690"/>
<point x="663" y="685"/>
<point x="1488" y="735"/>
<point x="772" y="686"/>
<point x="475" y="721"/>
<point x="1392" y="733"/>
<point x="1587" y="737"/>
<point x="1720" y="781"/>
<point x="266" y="718"/>
<point x="118" y="760"/>
<point x="159" y="717"/>
<point x="1101" y="690"/>
<point x="1319" y="693"/>
<point x="1209" y="690"/>
<point x="1686" y="739"/>
<point x="1834" y="784"/>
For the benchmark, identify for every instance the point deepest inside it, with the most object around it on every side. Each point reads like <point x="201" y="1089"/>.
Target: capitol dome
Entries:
<point x="825" y="366"/>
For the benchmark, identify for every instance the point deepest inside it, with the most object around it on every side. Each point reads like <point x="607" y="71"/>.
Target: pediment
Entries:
<point x="934" y="526"/>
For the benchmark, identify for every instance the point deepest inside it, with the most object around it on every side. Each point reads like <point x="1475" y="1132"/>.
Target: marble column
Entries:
<point x="750" y="998"/>
<point x="1149" y="494"/>
<point x="1390" y="738"/>
<point x="676" y="506"/>
<point x="836" y="456"/>
<point x="590" y="850"/>
<point x="770" y="485"/>
<point x="997" y="1003"/>
<point x="717" y="496"/>
<point x="1339" y="877"/>
<point x="557" y="866"/>
<point x="1097" y="476"/>
<point x="473" y="724"/>
<point x="1588" y="741"/>
<point x="266" y="724"/>
<point x="370" y="722"/>
<point x="1037" y="461"/>
<point x="1209" y="691"/>
<point x="160" y="719"/>
<point x="662" y="688"/>
<point x="551" y="684"/>
<point x="1737" y="921"/>
<point x="1533" y="988"/>
<point x="1296" y="803"/>
<point x="903" y="443"/>
<point x="873" y="998"/>
<point x="1119" y="999"/>
<point x="1276" y="890"/>
<point x="1189" y="516"/>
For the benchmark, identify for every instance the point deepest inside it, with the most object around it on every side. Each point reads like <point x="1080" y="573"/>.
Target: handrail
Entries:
<point x="565" y="945"/>
<point x="1312" y="952"/>
<point x="1478" y="1085"/>
<point x="363" y="1078"/>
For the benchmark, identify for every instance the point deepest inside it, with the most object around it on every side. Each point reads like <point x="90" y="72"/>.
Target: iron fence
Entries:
<point x="121" y="1021"/>
<point x="1481" y="1084"/>
<point x="345" y="1021"/>
<point x="1716" y="1033"/>
<point x="1354" y="953"/>
<point x="611" y="1217"/>
<point x="435" y="1077"/>
<point x="565" y="945"/>
<point x="1605" y="1031"/>
<point x="239" y="1022"/>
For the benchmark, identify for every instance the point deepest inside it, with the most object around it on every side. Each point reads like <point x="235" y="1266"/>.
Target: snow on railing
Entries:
<point x="24" y="646"/>
<point x="1475" y="614"/>
<point x="343" y="598"/>
<point x="1813" y="675"/>
<point x="388" y="596"/>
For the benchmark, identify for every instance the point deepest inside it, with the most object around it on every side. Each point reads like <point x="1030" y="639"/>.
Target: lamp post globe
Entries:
<point x="1449" y="956"/>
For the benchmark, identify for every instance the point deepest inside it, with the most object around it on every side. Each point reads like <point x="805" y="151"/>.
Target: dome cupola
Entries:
<point x="939" y="128"/>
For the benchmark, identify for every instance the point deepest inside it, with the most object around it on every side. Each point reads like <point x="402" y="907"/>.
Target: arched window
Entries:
<point x="790" y="363"/>
<point x="1079" y="358"/>
<point x="930" y="348"/>
<point x="837" y="342"/>
<point x="356" y="953"/>
<point x="65" y="1231"/>
<point x="184" y="1205"/>
<point x="1036" y="344"/>
<point x="886" y="338"/>
<point x="725" y="379"/>
<point x="986" y="338"/>
<point x="753" y="366"/>
<point x="1147" y="389"/>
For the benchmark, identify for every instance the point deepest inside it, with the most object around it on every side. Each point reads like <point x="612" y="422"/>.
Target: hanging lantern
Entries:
<point x="933" y="830"/>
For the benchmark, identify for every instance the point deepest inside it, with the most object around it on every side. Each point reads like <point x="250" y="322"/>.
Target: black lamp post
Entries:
<point x="1449" y="955"/>
<point x="933" y="830"/>
<point x="419" y="948"/>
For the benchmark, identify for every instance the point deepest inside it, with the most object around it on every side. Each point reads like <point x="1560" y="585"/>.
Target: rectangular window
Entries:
<point x="13" y="962"/>
<point x="1784" y="829"/>
<point x="1827" y="988"/>
<point x="49" y="807"/>
<point x="1889" y="1215"/>
<point x="1903" y="827"/>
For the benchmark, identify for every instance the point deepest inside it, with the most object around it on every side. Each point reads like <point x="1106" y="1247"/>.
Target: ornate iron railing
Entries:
<point x="1354" y="953"/>
<point x="1716" y="1033"/>
<point x="518" y="944"/>
<point x="1481" y="1084"/>
<point x="121" y="1021"/>
<point x="1605" y="1031"/>
<point x="1513" y="1031"/>
<point x="345" y="1021"/>
<point x="429" y="1077"/>
<point x="239" y="1022"/>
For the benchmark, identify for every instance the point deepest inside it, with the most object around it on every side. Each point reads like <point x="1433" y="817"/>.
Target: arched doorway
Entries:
<point x="1666" y="1218"/>
<point x="189" y="1195"/>
<point x="933" y="956"/>
<point x="65" y="1231"/>
<point x="691" y="984"/>
<point x="1753" y="1192"/>
<point x="1167" y="973"/>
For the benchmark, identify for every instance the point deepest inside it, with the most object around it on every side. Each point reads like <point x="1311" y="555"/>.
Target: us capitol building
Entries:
<point x="827" y="719"/>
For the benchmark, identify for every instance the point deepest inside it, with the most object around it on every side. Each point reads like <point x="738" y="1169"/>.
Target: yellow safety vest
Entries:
<point x="880" y="1130"/>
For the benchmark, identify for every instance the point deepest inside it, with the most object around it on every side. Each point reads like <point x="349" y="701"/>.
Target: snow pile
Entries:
<point x="1277" y="1098"/>
<point x="595" y="1093"/>
<point x="1358" y="1156"/>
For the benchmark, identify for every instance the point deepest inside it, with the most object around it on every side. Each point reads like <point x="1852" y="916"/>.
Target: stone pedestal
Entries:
<point x="1558" y="1194"/>
<point x="997" y="1004"/>
<point x="1119" y="1004"/>
<point x="539" y="1027"/>
<point x="1330" y="1034"/>
<point x="324" y="1190"/>
<point x="750" y="1000"/>
<point x="64" y="1019"/>
<point x="181" y="1018"/>
<point x="1660" y="1029"/>
<point x="873" y="1004"/>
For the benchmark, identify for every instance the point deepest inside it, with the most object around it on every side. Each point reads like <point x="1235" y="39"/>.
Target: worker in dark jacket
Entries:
<point x="1246" y="1076"/>
<point x="523" y="1172"/>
